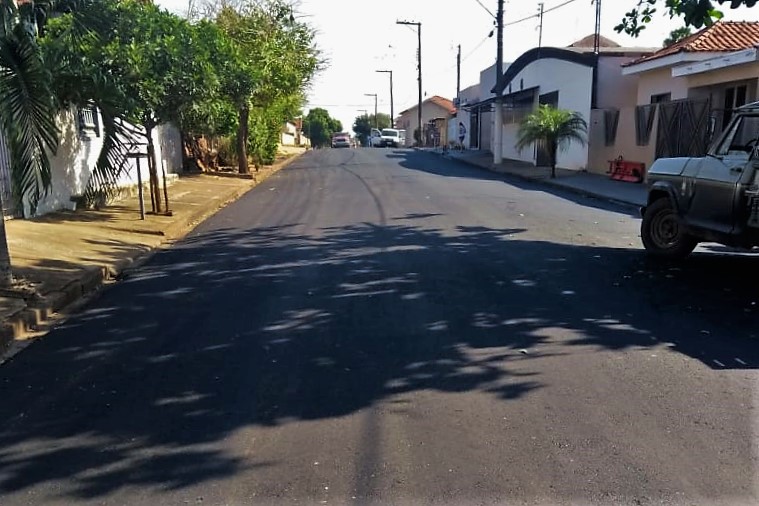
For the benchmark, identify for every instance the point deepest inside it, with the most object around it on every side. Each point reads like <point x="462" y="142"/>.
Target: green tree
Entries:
<point x="677" y="35"/>
<point x="697" y="13"/>
<point x="363" y="125"/>
<point x="28" y="101"/>
<point x="319" y="127"/>
<point x="276" y="58"/>
<point x="553" y="128"/>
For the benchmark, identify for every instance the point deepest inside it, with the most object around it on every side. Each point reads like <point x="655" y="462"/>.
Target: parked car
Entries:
<point x="375" y="138"/>
<point x="341" y="140"/>
<point x="390" y="137"/>
<point x="710" y="199"/>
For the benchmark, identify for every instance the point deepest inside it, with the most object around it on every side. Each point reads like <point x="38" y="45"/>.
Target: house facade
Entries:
<point x="467" y="118"/>
<point x="80" y="143"/>
<point x="573" y="78"/>
<point x="685" y="94"/>
<point x="433" y="109"/>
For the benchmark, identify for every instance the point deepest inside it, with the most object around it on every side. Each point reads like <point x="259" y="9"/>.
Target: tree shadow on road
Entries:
<point x="238" y="328"/>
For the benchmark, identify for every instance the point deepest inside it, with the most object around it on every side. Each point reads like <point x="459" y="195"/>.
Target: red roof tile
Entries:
<point x="437" y="100"/>
<point x="723" y="36"/>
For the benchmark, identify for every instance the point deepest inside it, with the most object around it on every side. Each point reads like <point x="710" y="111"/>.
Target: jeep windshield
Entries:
<point x="390" y="133"/>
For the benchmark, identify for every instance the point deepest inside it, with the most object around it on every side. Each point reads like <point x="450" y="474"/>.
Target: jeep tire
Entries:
<point x="663" y="232"/>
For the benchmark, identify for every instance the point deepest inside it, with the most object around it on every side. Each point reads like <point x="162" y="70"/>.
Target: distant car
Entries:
<point x="341" y="140"/>
<point x="375" y="138"/>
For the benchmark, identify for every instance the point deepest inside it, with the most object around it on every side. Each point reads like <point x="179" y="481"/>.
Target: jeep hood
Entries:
<point x="670" y="166"/>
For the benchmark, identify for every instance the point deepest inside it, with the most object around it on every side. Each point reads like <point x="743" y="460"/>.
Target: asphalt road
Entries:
<point x="377" y="326"/>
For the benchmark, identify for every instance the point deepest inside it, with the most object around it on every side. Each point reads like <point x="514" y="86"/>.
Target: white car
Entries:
<point x="390" y="137"/>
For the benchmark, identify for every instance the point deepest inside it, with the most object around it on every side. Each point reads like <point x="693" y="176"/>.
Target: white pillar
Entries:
<point x="498" y="133"/>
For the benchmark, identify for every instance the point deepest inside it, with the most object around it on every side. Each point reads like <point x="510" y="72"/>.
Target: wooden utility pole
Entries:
<point x="458" y="75"/>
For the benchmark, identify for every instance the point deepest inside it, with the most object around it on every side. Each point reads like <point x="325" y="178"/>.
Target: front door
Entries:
<point x="474" y="129"/>
<point x="715" y="184"/>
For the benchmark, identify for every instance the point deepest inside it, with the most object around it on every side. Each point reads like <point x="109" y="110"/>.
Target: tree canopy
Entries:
<point x="363" y="124"/>
<point x="319" y="126"/>
<point x="696" y="13"/>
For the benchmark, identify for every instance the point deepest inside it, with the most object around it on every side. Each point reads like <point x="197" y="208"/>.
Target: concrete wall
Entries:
<point x="574" y="84"/>
<point x="77" y="154"/>
<point x="625" y="143"/>
<point x="614" y="89"/>
<point x="658" y="81"/>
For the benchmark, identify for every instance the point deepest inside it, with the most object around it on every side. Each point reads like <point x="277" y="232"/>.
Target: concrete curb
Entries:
<point x="540" y="180"/>
<point x="40" y="309"/>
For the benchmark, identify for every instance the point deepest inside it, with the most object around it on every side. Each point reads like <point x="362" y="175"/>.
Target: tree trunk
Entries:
<point x="155" y="188"/>
<point x="242" y="140"/>
<point x="6" y="275"/>
<point x="554" y="154"/>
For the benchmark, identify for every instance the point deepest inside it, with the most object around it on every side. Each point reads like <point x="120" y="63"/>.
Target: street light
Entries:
<point x="376" y="124"/>
<point x="392" y="111"/>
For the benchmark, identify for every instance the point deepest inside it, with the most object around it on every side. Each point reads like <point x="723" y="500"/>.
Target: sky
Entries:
<point x="359" y="38"/>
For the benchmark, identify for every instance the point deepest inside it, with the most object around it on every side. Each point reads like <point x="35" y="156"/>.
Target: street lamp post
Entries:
<point x="419" y="73"/>
<point x="376" y="124"/>
<point x="392" y="110"/>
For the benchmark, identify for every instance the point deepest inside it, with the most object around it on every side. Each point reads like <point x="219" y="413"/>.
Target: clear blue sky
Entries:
<point x="360" y="37"/>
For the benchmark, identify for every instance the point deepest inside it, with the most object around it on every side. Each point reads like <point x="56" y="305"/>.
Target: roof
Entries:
<point x="722" y="36"/>
<point x="590" y="41"/>
<point x="438" y="101"/>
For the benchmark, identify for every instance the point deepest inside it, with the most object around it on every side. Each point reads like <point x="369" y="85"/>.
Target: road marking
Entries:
<point x="719" y="363"/>
<point x="740" y="361"/>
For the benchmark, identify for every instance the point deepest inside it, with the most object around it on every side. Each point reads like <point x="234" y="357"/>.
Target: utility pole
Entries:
<point x="419" y="74"/>
<point x="392" y="109"/>
<point x="498" y="141"/>
<point x="458" y="76"/>
<point x="597" y="33"/>
<point x="376" y="124"/>
<point x="540" y="33"/>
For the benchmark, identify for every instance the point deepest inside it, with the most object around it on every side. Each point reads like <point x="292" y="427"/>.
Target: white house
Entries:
<point x="573" y="78"/>
<point x="80" y="143"/>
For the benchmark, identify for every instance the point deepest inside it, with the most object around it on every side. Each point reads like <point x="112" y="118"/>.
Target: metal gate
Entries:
<point x="683" y="128"/>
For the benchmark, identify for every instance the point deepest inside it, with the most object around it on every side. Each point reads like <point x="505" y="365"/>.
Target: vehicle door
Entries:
<point x="715" y="185"/>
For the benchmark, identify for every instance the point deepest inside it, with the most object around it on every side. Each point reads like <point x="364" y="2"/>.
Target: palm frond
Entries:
<point x="113" y="162"/>
<point x="27" y="115"/>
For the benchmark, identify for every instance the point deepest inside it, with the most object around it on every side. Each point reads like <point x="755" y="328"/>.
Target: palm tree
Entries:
<point x="552" y="128"/>
<point x="30" y="101"/>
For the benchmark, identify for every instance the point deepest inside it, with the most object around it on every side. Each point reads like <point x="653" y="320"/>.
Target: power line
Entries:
<point x="533" y="16"/>
<point x="486" y="9"/>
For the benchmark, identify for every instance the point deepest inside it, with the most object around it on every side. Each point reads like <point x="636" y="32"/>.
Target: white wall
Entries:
<point x="77" y="154"/>
<point x="574" y="83"/>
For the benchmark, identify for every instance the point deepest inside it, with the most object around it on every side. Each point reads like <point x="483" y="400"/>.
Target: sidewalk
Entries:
<point x="61" y="257"/>
<point x="585" y="183"/>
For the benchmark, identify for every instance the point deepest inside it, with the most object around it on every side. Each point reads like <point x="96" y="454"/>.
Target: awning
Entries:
<point x="509" y="100"/>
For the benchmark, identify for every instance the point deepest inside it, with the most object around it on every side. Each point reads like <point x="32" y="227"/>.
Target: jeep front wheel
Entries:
<point x="663" y="233"/>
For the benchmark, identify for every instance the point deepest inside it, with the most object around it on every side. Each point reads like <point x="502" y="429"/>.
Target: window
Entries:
<point x="734" y="97"/>
<point x="88" y="121"/>
<point x="741" y="138"/>
<point x="661" y="97"/>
